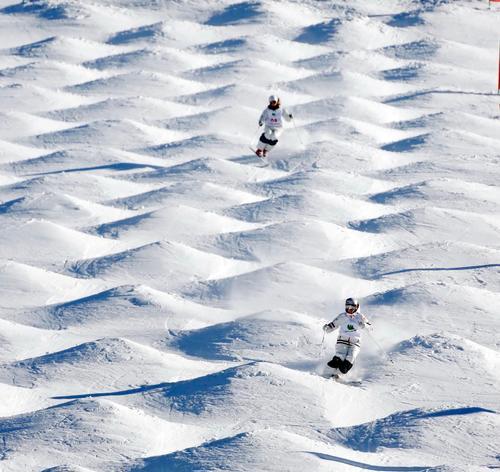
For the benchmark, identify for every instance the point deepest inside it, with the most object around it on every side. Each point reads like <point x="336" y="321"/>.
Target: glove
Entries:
<point x="290" y="116"/>
<point x="260" y="123"/>
<point x="328" y="328"/>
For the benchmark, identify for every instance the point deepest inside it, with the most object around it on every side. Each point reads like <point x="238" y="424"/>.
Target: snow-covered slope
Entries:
<point x="162" y="289"/>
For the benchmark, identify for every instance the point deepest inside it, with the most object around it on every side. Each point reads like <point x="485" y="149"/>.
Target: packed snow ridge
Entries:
<point x="163" y="289"/>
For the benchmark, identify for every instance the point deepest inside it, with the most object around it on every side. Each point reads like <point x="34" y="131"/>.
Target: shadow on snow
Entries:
<point x="432" y="269"/>
<point x="363" y="465"/>
<point x="236" y="13"/>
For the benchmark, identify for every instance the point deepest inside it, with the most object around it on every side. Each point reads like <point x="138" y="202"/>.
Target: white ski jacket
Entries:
<point x="274" y="118"/>
<point x="350" y="327"/>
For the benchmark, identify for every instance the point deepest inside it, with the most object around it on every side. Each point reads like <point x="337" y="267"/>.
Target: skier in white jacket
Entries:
<point x="350" y="324"/>
<point x="272" y="119"/>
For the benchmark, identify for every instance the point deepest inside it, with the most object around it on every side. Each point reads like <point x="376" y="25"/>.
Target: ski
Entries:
<point x="263" y="159"/>
<point x="254" y="151"/>
<point x="352" y="383"/>
<point x="340" y="380"/>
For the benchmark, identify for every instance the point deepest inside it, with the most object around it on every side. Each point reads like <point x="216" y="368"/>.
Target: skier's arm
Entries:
<point x="329" y="327"/>
<point x="288" y="116"/>
<point x="365" y="323"/>
<point x="262" y="118"/>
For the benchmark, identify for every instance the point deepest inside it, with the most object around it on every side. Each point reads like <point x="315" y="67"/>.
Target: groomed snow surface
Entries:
<point x="163" y="289"/>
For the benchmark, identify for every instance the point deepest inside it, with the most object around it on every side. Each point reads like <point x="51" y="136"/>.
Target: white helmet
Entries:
<point x="273" y="98"/>
<point x="351" y="305"/>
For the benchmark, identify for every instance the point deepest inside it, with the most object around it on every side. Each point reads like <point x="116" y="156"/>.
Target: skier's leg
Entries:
<point x="332" y="366"/>
<point x="338" y="359"/>
<point x="345" y="367"/>
<point x="335" y="363"/>
<point x="348" y="362"/>
<point x="274" y="134"/>
<point x="261" y="145"/>
<point x="268" y="139"/>
<point x="267" y="148"/>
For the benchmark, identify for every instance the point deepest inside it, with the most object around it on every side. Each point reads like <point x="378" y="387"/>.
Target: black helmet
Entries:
<point x="351" y="303"/>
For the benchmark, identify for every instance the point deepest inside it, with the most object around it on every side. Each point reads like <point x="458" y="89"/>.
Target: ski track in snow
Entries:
<point x="163" y="290"/>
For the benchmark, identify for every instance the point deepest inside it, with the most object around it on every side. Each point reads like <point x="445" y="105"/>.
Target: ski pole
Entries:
<point x="380" y="347"/>
<point x="322" y="345"/>
<point x="252" y="143"/>
<point x="297" y="131"/>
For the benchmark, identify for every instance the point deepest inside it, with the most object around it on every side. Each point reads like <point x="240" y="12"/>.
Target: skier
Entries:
<point x="272" y="118"/>
<point x="350" y="324"/>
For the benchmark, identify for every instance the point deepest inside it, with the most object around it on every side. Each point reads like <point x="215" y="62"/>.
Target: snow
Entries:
<point x="162" y="289"/>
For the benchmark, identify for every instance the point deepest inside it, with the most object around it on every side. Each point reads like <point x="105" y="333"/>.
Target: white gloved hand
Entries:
<point x="328" y="328"/>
